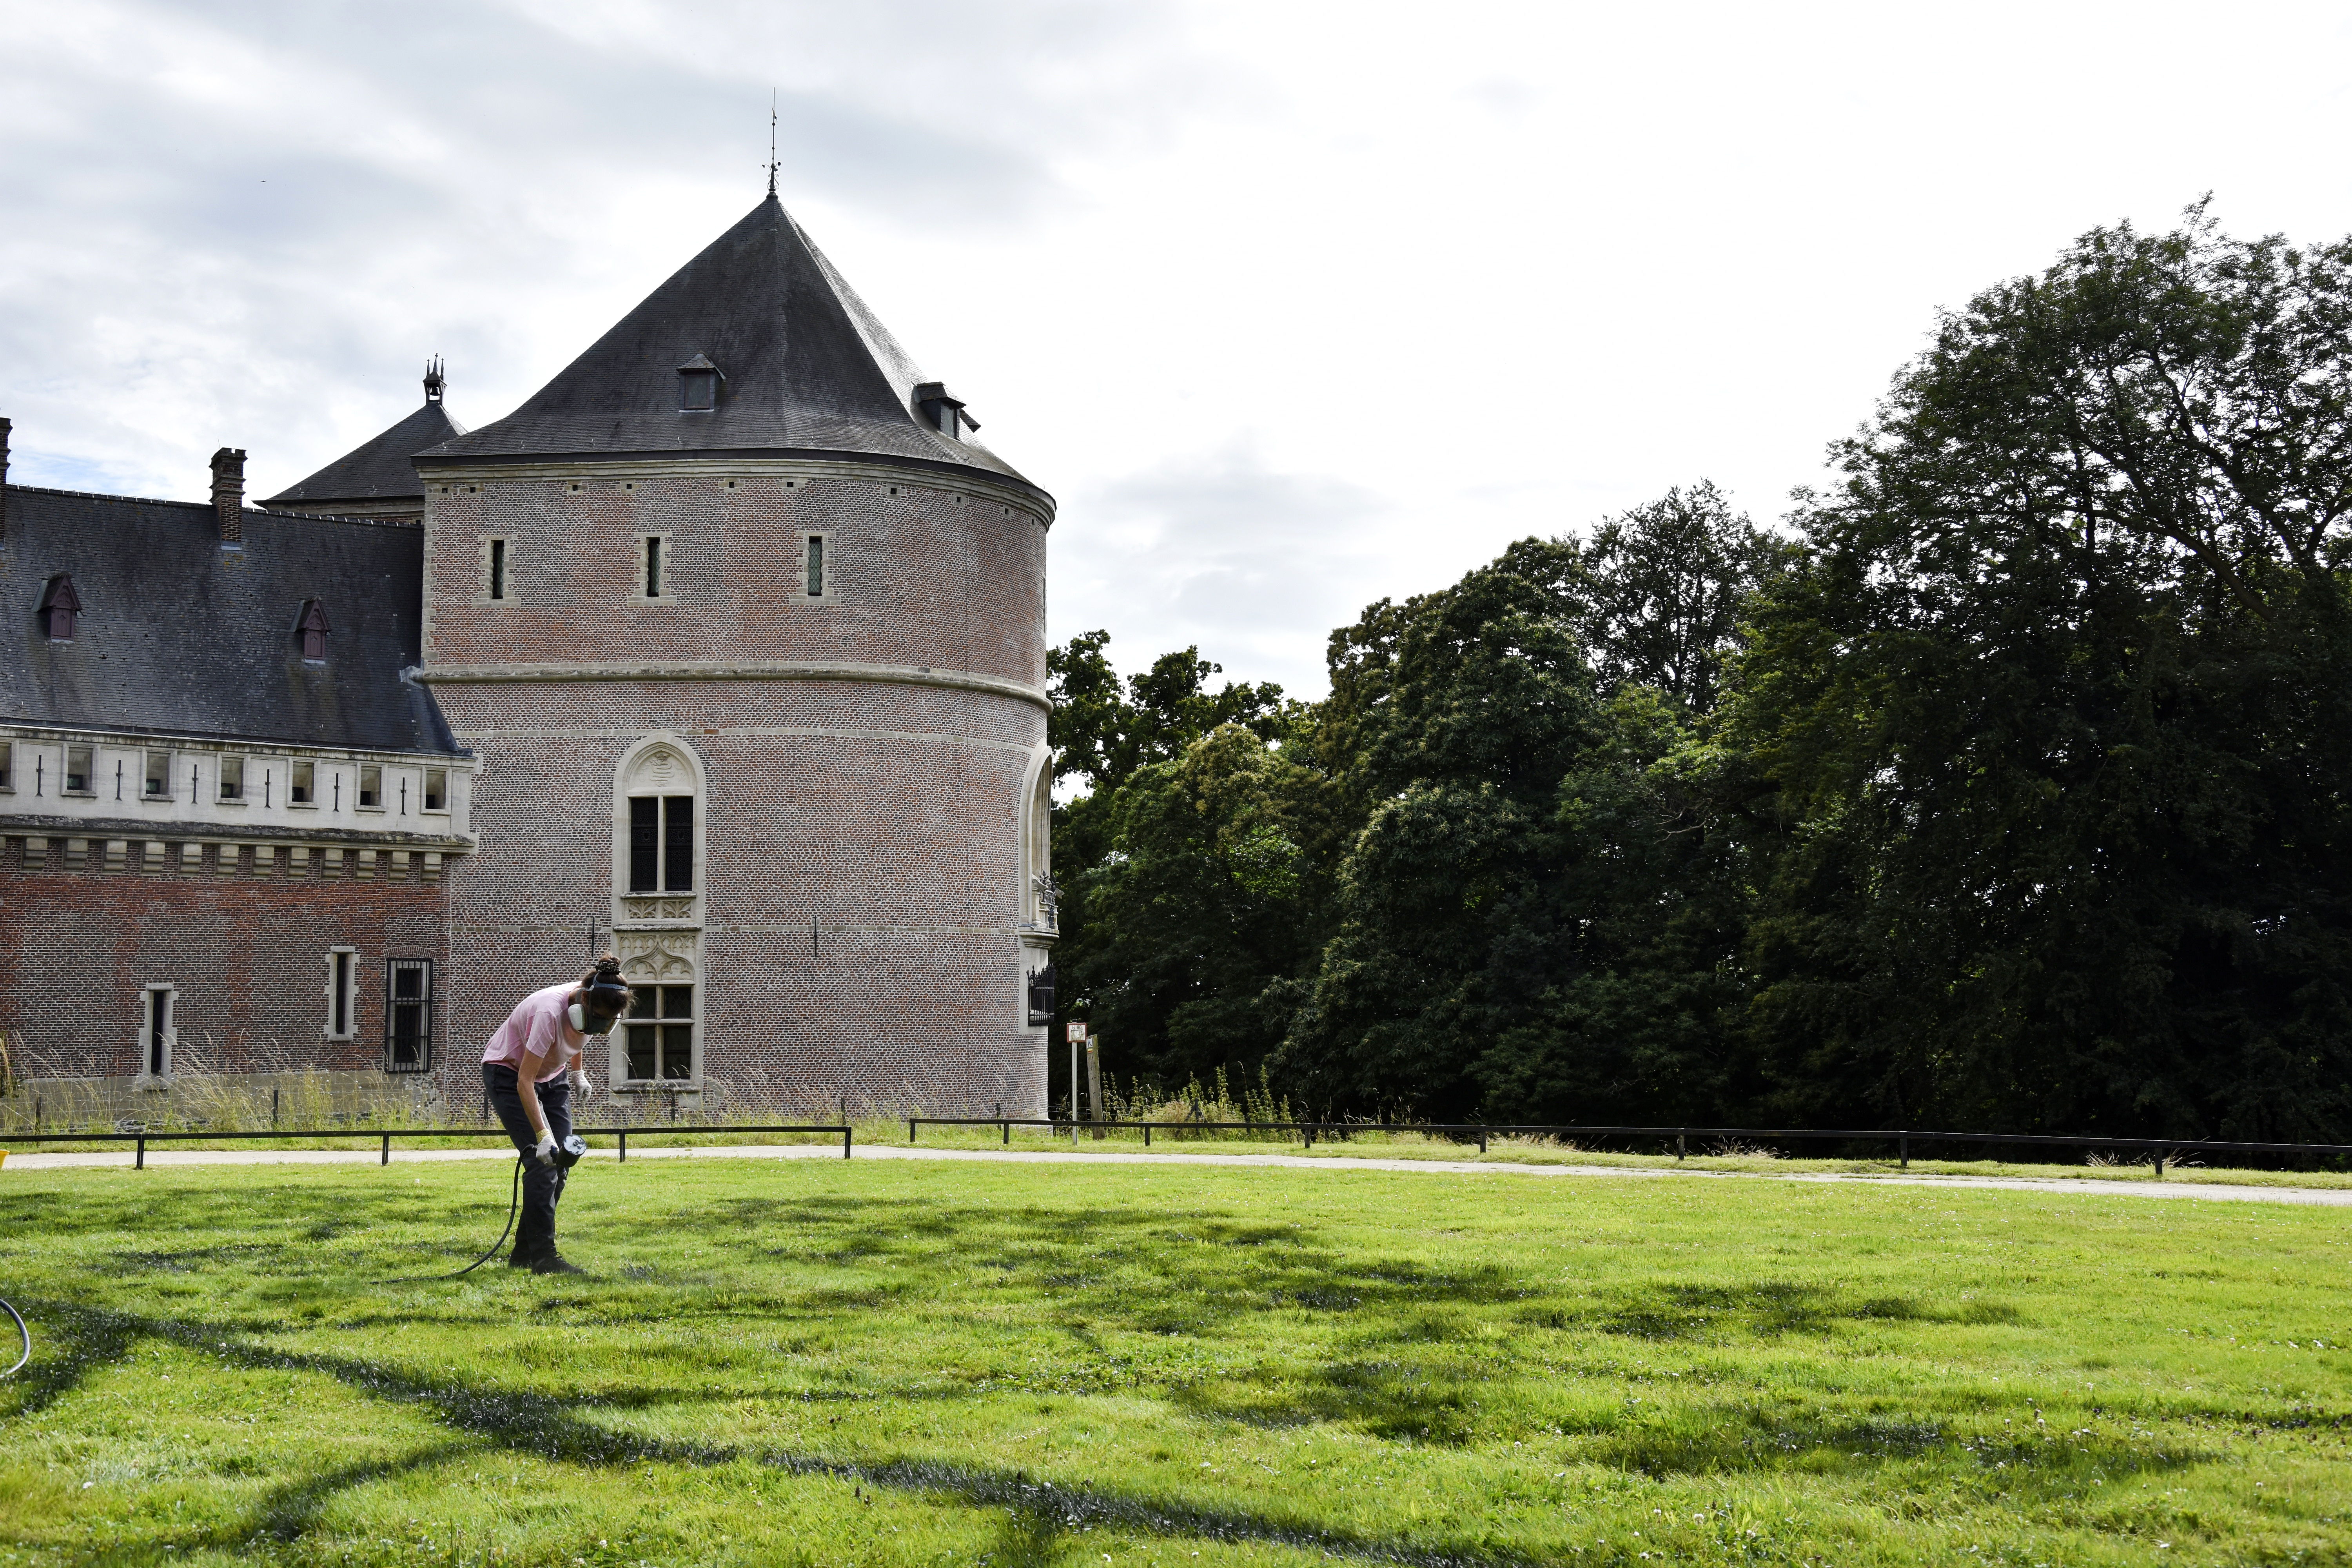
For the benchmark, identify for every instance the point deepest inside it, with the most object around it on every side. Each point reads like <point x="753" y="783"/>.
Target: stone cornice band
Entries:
<point x="622" y="466"/>
<point x="762" y="670"/>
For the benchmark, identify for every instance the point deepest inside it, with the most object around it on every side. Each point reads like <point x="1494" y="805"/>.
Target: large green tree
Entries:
<point x="1104" y="732"/>
<point x="2056" y="716"/>
<point x="1538" y="917"/>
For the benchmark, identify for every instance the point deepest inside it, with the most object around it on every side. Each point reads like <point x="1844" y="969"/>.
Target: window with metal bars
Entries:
<point x="408" y="1015"/>
<point x="660" y="1043"/>
<point x="661" y="844"/>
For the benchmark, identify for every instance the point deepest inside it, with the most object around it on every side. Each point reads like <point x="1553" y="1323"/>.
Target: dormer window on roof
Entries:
<point x="59" y="605"/>
<point x="697" y="385"/>
<point x="943" y="412"/>
<point x="313" y="628"/>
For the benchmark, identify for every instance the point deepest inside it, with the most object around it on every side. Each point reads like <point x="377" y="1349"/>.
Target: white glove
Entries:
<point x="545" y="1153"/>
<point x="582" y="1084"/>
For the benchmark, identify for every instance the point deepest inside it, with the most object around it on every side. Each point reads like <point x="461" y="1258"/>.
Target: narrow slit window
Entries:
<point x="372" y="789"/>
<point x="232" y="778"/>
<point x="645" y="843"/>
<point x="436" y="789"/>
<point x="497" y="568"/>
<point x="155" y="1031"/>
<point x="677" y="844"/>
<point x="654" y="563"/>
<point x="816" y="566"/>
<point x="341" y="962"/>
<point x="78" y="770"/>
<point x="159" y="775"/>
<point x="304" y="789"/>
<point x="660" y="1043"/>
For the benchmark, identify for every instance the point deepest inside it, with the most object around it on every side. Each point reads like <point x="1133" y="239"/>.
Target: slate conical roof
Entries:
<point x="806" y="370"/>
<point x="377" y="470"/>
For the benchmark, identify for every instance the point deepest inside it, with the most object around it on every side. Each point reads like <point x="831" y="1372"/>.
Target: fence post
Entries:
<point x="1903" y="1146"/>
<point x="2159" y="1165"/>
<point x="911" y="1129"/>
<point x="1008" y="1135"/>
<point x="140" y="1164"/>
<point x="1482" y="1140"/>
<point x="273" y="1108"/>
<point x="625" y="1145"/>
<point x="387" y="1150"/>
<point x="1682" y="1150"/>
<point x="1146" y="1134"/>
<point x="845" y="1135"/>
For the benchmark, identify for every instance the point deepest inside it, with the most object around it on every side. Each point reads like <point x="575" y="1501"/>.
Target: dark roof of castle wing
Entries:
<point x="805" y="365"/>
<point x="177" y="635"/>
<point x="377" y="471"/>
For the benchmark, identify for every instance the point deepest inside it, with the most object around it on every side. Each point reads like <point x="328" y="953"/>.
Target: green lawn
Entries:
<point x="814" y="1361"/>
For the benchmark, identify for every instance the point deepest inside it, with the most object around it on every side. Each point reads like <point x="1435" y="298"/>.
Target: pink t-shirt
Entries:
<point x="537" y="1024"/>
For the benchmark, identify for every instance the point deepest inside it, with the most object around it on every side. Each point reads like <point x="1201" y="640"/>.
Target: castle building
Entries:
<point x="725" y="650"/>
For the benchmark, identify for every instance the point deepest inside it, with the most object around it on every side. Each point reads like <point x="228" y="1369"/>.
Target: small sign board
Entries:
<point x="1077" y="1033"/>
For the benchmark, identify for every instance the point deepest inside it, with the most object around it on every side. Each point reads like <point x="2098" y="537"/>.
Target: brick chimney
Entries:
<point x="228" y="493"/>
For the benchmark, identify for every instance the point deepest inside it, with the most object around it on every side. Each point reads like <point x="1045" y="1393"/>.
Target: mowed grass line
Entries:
<point x="820" y="1362"/>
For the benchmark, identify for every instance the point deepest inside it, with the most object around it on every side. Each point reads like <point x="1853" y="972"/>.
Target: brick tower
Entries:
<point x="747" y="631"/>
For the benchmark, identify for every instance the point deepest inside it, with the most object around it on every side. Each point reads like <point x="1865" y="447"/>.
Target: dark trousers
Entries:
<point x="542" y="1185"/>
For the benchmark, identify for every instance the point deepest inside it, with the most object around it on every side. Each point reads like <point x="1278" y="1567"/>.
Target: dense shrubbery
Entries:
<point x="2009" y="791"/>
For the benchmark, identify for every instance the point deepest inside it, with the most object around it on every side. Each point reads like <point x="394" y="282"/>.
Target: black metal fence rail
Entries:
<point x="384" y="1136"/>
<point x="1902" y="1138"/>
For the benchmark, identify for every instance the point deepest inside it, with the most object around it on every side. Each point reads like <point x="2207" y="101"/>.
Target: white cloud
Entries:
<point x="1294" y="305"/>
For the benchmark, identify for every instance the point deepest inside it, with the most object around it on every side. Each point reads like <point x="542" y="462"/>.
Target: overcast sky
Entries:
<point x="1292" y="306"/>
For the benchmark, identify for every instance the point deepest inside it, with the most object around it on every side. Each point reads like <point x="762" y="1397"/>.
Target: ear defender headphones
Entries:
<point x="611" y="998"/>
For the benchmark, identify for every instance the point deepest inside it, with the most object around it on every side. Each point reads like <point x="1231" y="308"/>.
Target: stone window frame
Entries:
<point x="158" y="1039"/>
<point x="668" y="568"/>
<point x="360" y="791"/>
<point x="505" y="571"/>
<point x="225" y="764"/>
<point x="342" y="969"/>
<point x="671" y="935"/>
<point x="697" y="785"/>
<point x="294" y="766"/>
<point x="832" y="568"/>
<point x="164" y="796"/>
<point x="1035" y="806"/>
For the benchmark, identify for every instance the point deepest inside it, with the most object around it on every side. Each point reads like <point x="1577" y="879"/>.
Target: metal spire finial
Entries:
<point x="771" y="144"/>
<point x="434" y="382"/>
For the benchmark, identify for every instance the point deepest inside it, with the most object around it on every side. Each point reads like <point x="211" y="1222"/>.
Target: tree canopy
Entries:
<point x="2005" y="788"/>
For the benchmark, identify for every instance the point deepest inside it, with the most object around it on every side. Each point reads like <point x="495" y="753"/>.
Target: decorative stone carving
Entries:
<point x="666" y="907"/>
<point x="660" y="770"/>
<point x="650" y="956"/>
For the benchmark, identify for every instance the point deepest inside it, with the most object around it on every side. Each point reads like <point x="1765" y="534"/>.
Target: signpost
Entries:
<point x="1077" y="1033"/>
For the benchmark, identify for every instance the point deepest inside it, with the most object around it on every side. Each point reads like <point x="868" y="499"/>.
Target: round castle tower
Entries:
<point x="747" y="631"/>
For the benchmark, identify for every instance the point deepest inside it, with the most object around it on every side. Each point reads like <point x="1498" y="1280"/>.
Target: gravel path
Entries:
<point x="2321" y="1197"/>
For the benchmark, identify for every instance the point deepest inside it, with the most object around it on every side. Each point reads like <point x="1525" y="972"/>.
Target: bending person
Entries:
<point x="530" y="1071"/>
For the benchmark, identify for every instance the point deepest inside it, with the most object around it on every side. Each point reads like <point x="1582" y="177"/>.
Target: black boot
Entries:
<point x="554" y="1262"/>
<point x="532" y="1242"/>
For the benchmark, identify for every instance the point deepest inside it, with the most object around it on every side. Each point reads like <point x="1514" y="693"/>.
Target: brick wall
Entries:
<point x="890" y="813"/>
<point x="247" y="952"/>
<point x="924" y="577"/>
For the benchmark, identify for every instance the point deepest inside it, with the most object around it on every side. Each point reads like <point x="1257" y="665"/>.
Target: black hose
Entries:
<point x="23" y="1333"/>
<point x="514" y="1207"/>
